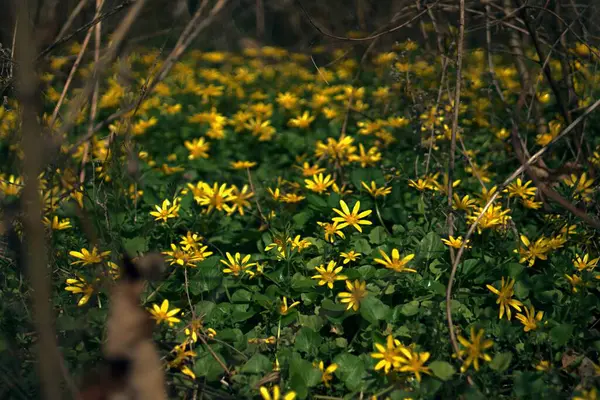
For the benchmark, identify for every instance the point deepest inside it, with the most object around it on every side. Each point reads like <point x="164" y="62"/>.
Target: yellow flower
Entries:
<point x="190" y="240"/>
<point x="287" y="100"/>
<point x="236" y="264"/>
<point x="341" y="190"/>
<point x="239" y="200"/>
<point x="350" y="256"/>
<point x="395" y="263"/>
<point x="543" y="366"/>
<point x="276" y="394"/>
<point x="198" y="148"/>
<point x="412" y="361"/>
<point x="366" y="158"/>
<point x="328" y="276"/>
<point x="486" y="195"/>
<point x="57" y="225"/>
<point x="353" y="218"/>
<point x="172" y="109"/>
<point x="180" y="356"/>
<point x="284" y="308"/>
<point x="12" y="186"/>
<point x="505" y="297"/>
<point x="261" y="129"/>
<point x="57" y="63"/>
<point x="196" y="328"/>
<point x="80" y="285"/>
<point x="493" y="218"/>
<point x="421" y="184"/>
<point x="141" y="126"/>
<point x="163" y="314"/>
<point x="376" y="191"/>
<point x="585" y="263"/>
<point x="388" y="355"/>
<point x="464" y="204"/>
<point x="186" y="257"/>
<point x="302" y="121"/>
<point x="292" y="198"/>
<point x="582" y="186"/>
<point x="319" y="184"/>
<point x="575" y="281"/>
<point x="87" y="258"/>
<point x="337" y="150"/>
<point x="165" y="211"/>
<point x="533" y="251"/>
<point x="299" y="244"/>
<point x="518" y="189"/>
<point x="356" y="293"/>
<point x="327" y="373"/>
<point x="310" y="170"/>
<point x="331" y="229"/>
<point x="474" y="350"/>
<point x="215" y="197"/>
<point x="206" y="92"/>
<point x="455" y="242"/>
<point x="242" y="164"/>
<point x="259" y="271"/>
<point x="530" y="319"/>
<point x="275" y="193"/>
<point x="532" y="204"/>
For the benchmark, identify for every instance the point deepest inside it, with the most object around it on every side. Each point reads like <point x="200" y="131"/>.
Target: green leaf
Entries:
<point x="240" y="316"/>
<point x="561" y="334"/>
<point x="307" y="340"/>
<point x="377" y="235"/>
<point x="311" y="321"/>
<point x="366" y="175"/>
<point x="329" y="305"/>
<point x="316" y="202"/>
<point x="207" y="277"/>
<point x="186" y="202"/>
<point x="257" y="364"/>
<point x="301" y="283"/>
<point x="241" y="296"/>
<point x="366" y="271"/>
<point x="469" y="266"/>
<point x="442" y="370"/>
<point x="362" y="246"/>
<point x="314" y="262"/>
<point x="204" y="308"/>
<point x="514" y="270"/>
<point x="208" y="367"/>
<point x="136" y="245"/>
<point x="501" y="361"/>
<point x="410" y="309"/>
<point x="351" y="371"/>
<point x="301" y="219"/>
<point x="373" y="310"/>
<point x="431" y="246"/>
<point x="303" y="375"/>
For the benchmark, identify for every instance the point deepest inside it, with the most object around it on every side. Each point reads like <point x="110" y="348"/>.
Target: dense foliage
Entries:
<point x="303" y="215"/>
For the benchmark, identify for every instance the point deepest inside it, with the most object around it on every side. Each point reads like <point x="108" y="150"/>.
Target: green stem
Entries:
<point x="381" y="219"/>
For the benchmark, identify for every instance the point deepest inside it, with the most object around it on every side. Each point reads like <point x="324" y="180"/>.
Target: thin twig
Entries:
<point x="72" y="74"/>
<point x="459" y="57"/>
<point x="115" y="10"/>
<point x="365" y="39"/>
<point x="78" y="8"/>
<point x="262" y="216"/>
